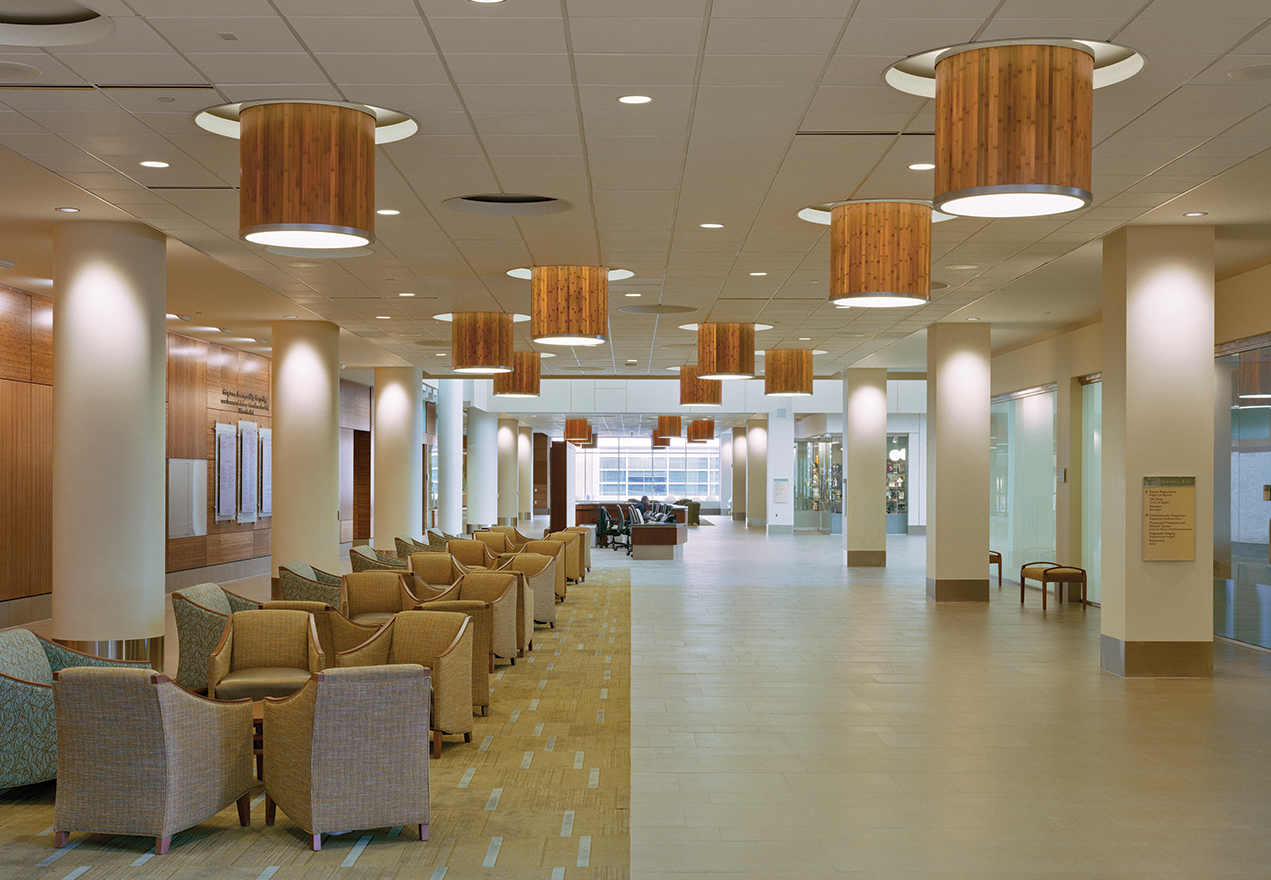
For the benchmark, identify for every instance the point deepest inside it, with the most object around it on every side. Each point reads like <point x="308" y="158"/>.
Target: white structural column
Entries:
<point x="306" y="455"/>
<point x="483" y="468"/>
<point x="509" y="477"/>
<point x="525" y="472"/>
<point x="780" y="469"/>
<point x="109" y="436"/>
<point x="725" y="472"/>
<point x="957" y="462"/>
<point x="756" y="473"/>
<point x="450" y="456"/>
<point x="1158" y="382"/>
<point x="739" y="474"/>
<point x="865" y="466"/>
<point x="398" y="439"/>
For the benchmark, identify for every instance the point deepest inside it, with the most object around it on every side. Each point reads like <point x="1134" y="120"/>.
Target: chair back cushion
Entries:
<point x="210" y="596"/>
<point x="433" y="568"/>
<point x="496" y="541"/>
<point x="372" y="592"/>
<point x="530" y="563"/>
<point x="304" y="569"/>
<point x="545" y="548"/>
<point x="270" y="638"/>
<point x="419" y="636"/>
<point x="485" y="586"/>
<point x="21" y="656"/>
<point x="468" y="552"/>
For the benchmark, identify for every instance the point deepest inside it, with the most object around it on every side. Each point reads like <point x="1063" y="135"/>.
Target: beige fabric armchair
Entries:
<point x="137" y="754"/>
<point x="264" y="654"/>
<point x="587" y="537"/>
<point x="335" y="631"/>
<point x="373" y="597"/>
<point x="556" y="550"/>
<point x="369" y="559"/>
<point x="434" y="573"/>
<point x="495" y="542"/>
<point x="350" y="750"/>
<point x="441" y="641"/>
<point x="540" y="575"/>
<point x="573" y="553"/>
<point x="516" y="541"/>
<point x="499" y="590"/>
<point x="472" y="554"/>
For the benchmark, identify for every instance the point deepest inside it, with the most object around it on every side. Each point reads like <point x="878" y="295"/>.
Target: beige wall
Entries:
<point x="1242" y="305"/>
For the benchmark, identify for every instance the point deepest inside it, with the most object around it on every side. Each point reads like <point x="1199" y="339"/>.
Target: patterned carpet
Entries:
<point x="542" y="791"/>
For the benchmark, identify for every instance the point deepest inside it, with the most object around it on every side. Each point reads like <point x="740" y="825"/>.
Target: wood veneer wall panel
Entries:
<point x="187" y="397"/>
<point x="16" y="526"/>
<point x="542" y="454"/>
<point x="15" y="335"/>
<point x="41" y="340"/>
<point x="362" y="489"/>
<point x="186" y="553"/>
<point x="40" y="481"/>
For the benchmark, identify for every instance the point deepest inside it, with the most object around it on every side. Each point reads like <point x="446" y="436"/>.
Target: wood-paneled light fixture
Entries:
<point x="577" y="430"/>
<point x="525" y="378"/>
<point x="669" y="426"/>
<point x="307" y="169"/>
<point x="481" y="342"/>
<point x="701" y="430"/>
<point x="880" y="254"/>
<point x="696" y="391"/>
<point x="592" y="441"/>
<point x="787" y="372"/>
<point x="659" y="441"/>
<point x="1013" y="121"/>
<point x="726" y="351"/>
<point x="569" y="305"/>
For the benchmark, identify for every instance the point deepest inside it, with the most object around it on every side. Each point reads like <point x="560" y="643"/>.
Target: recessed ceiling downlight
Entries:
<point x="507" y="204"/>
<point x="51" y="23"/>
<point x="14" y="70"/>
<point x="1252" y="73"/>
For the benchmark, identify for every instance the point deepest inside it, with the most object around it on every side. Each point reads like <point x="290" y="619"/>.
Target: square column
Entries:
<point x="1158" y="392"/>
<point x="957" y="462"/>
<point x="865" y="467"/>
<point x="779" y="470"/>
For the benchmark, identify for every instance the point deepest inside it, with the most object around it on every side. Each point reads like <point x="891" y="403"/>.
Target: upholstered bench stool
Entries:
<point x="1052" y="573"/>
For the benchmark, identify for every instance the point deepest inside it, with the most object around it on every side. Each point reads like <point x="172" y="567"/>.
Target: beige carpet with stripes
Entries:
<point x="543" y="790"/>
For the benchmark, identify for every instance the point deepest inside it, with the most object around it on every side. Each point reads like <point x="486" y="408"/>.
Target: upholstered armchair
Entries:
<point x="441" y="641"/>
<point x="516" y="541"/>
<point x="540" y="575"/>
<point x="436" y="540"/>
<point x="495" y="542"/>
<point x="335" y="631"/>
<point x="364" y="558"/>
<point x="556" y="550"/>
<point x="406" y="546"/>
<point x="373" y="597"/>
<point x="264" y="654"/>
<point x="319" y="783"/>
<point x="498" y="590"/>
<point x="28" y="737"/>
<point x="586" y="537"/>
<point x="201" y="612"/>
<point x="434" y="573"/>
<point x="472" y="554"/>
<point x="573" y="553"/>
<point x="301" y="582"/>
<point x="139" y="755"/>
<point x="524" y="605"/>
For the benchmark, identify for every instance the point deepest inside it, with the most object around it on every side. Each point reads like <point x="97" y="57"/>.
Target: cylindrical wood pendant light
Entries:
<point x="577" y="430"/>
<point x="524" y="379"/>
<point x="787" y="372"/>
<point x="1013" y="130"/>
<point x="701" y="430"/>
<point x="726" y="351"/>
<point x="569" y="305"/>
<point x="669" y="426"/>
<point x="660" y="441"/>
<point x="696" y="391"/>
<point x="307" y="175"/>
<point x="591" y="441"/>
<point x="481" y="342"/>
<point x="880" y="254"/>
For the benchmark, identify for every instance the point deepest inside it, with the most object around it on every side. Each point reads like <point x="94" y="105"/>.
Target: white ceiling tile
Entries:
<point x="268" y="68"/>
<point x="501" y="68"/>
<point x="133" y="69"/>
<point x="419" y="69"/>
<point x="903" y="37"/>
<point x="254" y="34"/>
<point x="403" y="35"/>
<point x="760" y="70"/>
<point x="498" y="35"/>
<point x="635" y="36"/>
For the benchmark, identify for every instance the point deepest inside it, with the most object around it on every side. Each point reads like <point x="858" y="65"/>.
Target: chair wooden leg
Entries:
<point x="423" y="831"/>
<point x="161" y="844"/>
<point x="1021" y="588"/>
<point x="436" y="743"/>
<point x="1043" y="592"/>
<point x="467" y="737"/>
<point x="485" y="711"/>
<point x="512" y="660"/>
<point x="61" y="838"/>
<point x="245" y="810"/>
<point x="315" y="842"/>
<point x="492" y="663"/>
<point x="271" y="809"/>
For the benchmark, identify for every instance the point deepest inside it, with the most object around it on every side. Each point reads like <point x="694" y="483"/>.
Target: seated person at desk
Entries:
<point x="643" y="504"/>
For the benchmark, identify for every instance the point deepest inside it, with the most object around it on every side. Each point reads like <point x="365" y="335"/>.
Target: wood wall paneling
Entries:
<point x="542" y="449"/>
<point x="40" y="481"/>
<point x="362" y="488"/>
<point x="41" y="340"/>
<point x="186" y="553"/>
<point x="15" y="335"/>
<point x="188" y="431"/>
<point x="16" y="533"/>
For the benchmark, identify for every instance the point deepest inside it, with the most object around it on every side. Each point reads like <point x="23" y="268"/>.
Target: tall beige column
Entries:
<point x="509" y="474"/>
<point x="865" y="466"/>
<point x="109" y="437"/>
<point x="398" y="439"/>
<point x="756" y="473"/>
<point x="739" y="474"/>
<point x="483" y="468"/>
<point x="725" y="472"/>
<point x="450" y="456"/>
<point x="1158" y="392"/>
<point x="957" y="462"/>
<point x="306" y="454"/>
<point x="525" y="472"/>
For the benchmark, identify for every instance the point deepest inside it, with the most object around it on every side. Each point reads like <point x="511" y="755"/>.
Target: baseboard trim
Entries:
<point x="957" y="589"/>
<point x="867" y="558"/>
<point x="1156" y="659"/>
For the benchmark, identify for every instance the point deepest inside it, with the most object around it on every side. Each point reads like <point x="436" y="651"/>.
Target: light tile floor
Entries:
<point x="793" y="718"/>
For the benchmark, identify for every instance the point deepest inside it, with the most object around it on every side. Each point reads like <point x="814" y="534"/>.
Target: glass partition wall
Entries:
<point x="818" y="484"/>
<point x="629" y="467"/>
<point x="1022" y="462"/>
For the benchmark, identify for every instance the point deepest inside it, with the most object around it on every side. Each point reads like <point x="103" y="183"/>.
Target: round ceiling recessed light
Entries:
<point x="973" y="319"/>
<point x="14" y="70"/>
<point x="290" y="316"/>
<point x="154" y="163"/>
<point x="922" y="166"/>
<point x="304" y="264"/>
<point x="1252" y="73"/>
<point x="507" y="204"/>
<point x="1195" y="213"/>
<point x="656" y="309"/>
<point x="633" y="294"/>
<point x="382" y="318"/>
<point x="66" y="209"/>
<point x="957" y="266"/>
<point x="805" y="338"/>
<point x="388" y="212"/>
<point x="634" y="99"/>
<point x="405" y="294"/>
<point x="62" y="23"/>
<point x="758" y="273"/>
<point x="711" y="225"/>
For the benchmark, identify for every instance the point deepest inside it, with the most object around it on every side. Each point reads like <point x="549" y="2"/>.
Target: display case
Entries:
<point x="818" y="491"/>
<point x="897" y="484"/>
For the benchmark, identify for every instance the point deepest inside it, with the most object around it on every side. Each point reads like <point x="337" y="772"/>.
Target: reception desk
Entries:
<point x="659" y="541"/>
<point x="588" y="512"/>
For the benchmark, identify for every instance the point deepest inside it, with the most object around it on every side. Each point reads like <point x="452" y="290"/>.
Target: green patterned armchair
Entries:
<point x="369" y="559"/>
<point x="406" y="546"/>
<point x="201" y="612"/>
<point x="28" y="732"/>
<point x="301" y="582"/>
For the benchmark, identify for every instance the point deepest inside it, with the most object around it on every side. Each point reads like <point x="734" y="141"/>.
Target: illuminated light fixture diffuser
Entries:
<point x="669" y="426"/>
<point x="525" y="378"/>
<point x="880" y="254"/>
<point x="569" y="305"/>
<point x="787" y="372"/>
<point x="1014" y="121"/>
<point x="696" y="391"/>
<point x="726" y="351"/>
<point x="481" y="342"/>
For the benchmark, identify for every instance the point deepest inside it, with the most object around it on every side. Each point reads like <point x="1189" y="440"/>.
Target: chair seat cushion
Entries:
<point x="260" y="682"/>
<point x="1064" y="573"/>
<point x="372" y="618"/>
